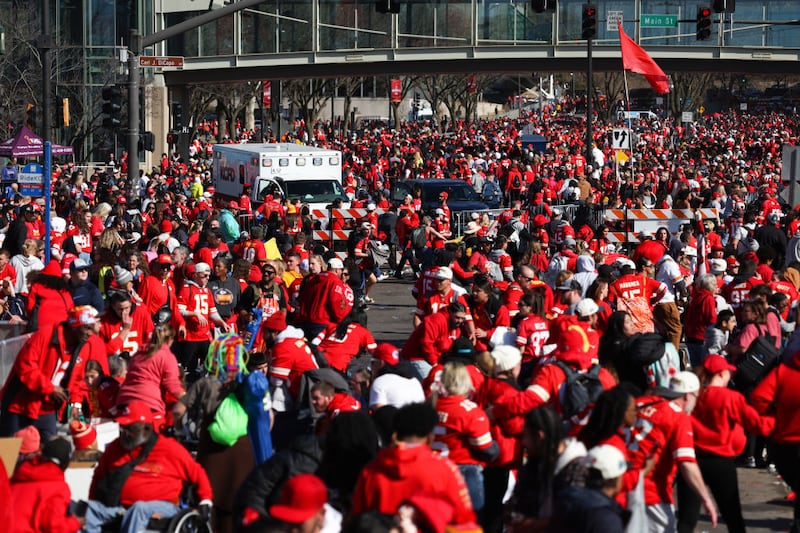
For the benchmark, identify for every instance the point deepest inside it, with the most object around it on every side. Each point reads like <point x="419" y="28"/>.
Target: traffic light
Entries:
<point x="724" y="6"/>
<point x="30" y="116"/>
<point x="540" y="6"/>
<point x="62" y="111"/>
<point x="112" y="107"/>
<point x="387" y="6"/>
<point x="589" y="25"/>
<point x="172" y="138"/>
<point x="147" y="141"/>
<point x="703" y="23"/>
<point x="417" y="102"/>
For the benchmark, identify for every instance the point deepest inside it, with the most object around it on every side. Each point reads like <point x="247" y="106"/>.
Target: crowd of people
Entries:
<point x="552" y="380"/>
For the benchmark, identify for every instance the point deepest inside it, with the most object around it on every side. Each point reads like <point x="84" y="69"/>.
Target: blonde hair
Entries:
<point x="30" y="247"/>
<point x="456" y="379"/>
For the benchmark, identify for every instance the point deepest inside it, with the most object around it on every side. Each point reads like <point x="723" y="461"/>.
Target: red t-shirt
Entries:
<point x="339" y="352"/>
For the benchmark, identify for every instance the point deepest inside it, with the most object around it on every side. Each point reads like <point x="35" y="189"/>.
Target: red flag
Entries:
<point x="635" y="59"/>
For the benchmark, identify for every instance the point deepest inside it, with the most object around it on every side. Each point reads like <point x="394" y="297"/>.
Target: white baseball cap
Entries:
<point x="607" y="460"/>
<point x="335" y="262"/>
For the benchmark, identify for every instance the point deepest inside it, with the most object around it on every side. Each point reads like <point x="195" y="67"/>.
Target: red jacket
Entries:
<point x="39" y="366"/>
<point x="53" y="304"/>
<point x="324" y="299"/>
<point x="156" y="292"/>
<point x="720" y="419"/>
<point x="138" y="336"/>
<point x="159" y="477"/>
<point x="430" y="339"/>
<point x="506" y="430"/>
<point x="401" y="471"/>
<point x="41" y="499"/>
<point x="777" y="395"/>
<point x="701" y="313"/>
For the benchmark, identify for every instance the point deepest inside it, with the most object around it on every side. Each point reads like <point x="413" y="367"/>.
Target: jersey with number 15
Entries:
<point x="195" y="299"/>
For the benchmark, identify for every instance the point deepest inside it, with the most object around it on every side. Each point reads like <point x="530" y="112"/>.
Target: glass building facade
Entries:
<point x="290" y="26"/>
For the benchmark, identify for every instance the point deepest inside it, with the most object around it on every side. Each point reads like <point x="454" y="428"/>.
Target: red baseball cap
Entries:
<point x="301" y="498"/>
<point x="164" y="259"/>
<point x="165" y="226"/>
<point x="134" y="412"/>
<point x="386" y="352"/>
<point x="714" y="363"/>
<point x="233" y="205"/>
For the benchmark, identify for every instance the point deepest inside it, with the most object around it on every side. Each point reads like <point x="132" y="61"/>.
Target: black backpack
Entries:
<point x="581" y="389"/>
<point x="419" y="238"/>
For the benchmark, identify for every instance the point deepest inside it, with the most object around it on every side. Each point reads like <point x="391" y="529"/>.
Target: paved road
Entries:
<point x="762" y="494"/>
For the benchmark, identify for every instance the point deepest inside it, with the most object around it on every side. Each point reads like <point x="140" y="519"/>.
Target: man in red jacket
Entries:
<point x="434" y="337"/>
<point x="410" y="467"/>
<point x="156" y="482"/>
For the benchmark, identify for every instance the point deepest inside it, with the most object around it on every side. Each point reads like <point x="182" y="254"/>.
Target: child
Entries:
<point x="717" y="335"/>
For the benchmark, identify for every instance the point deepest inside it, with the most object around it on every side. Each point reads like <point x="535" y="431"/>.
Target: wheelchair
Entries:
<point x="187" y="520"/>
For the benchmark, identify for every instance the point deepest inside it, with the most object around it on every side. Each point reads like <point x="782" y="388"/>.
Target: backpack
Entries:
<point x="419" y="238"/>
<point x="494" y="271"/>
<point x="759" y="359"/>
<point x="516" y="183"/>
<point x="580" y="390"/>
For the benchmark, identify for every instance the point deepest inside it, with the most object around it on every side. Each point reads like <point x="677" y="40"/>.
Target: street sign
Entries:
<point x="161" y="61"/>
<point x="31" y="180"/>
<point x="612" y="18"/>
<point x="687" y="116"/>
<point x="621" y="139"/>
<point x="658" y="21"/>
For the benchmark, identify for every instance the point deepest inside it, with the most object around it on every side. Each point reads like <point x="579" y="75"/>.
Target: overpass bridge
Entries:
<point x="284" y="39"/>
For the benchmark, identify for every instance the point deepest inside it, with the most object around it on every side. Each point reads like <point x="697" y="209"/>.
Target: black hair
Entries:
<point x="724" y="316"/>
<point x="370" y="522"/>
<point x="415" y="420"/>
<point x="535" y="484"/>
<point x="777" y="298"/>
<point x="352" y="441"/>
<point x="762" y="289"/>
<point x="607" y="416"/>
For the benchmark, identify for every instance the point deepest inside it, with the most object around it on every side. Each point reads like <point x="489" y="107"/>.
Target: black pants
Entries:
<point x="719" y="473"/>
<point x="190" y="353"/>
<point x="787" y="460"/>
<point x="495" y="483"/>
<point x="408" y="255"/>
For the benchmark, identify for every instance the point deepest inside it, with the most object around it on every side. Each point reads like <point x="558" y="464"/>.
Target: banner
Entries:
<point x="397" y="91"/>
<point x="266" y="93"/>
<point x="472" y="84"/>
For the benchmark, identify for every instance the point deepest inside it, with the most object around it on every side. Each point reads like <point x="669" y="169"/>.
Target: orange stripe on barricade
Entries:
<point x="619" y="236"/>
<point x="327" y="235"/>
<point x="344" y="213"/>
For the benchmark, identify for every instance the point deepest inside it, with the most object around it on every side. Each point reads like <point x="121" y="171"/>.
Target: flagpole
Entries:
<point x="628" y="120"/>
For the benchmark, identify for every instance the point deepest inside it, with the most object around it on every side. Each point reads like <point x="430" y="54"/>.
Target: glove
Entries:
<point x="205" y="510"/>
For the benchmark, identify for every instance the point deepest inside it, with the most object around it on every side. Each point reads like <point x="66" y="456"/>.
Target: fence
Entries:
<point x="336" y="240"/>
<point x="10" y="347"/>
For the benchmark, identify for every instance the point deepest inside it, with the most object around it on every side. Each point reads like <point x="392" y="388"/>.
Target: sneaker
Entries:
<point x="750" y="462"/>
<point x="383" y="277"/>
<point x="369" y="300"/>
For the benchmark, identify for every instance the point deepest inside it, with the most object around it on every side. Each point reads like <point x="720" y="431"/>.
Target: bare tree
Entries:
<point x="689" y="90"/>
<point x="228" y="100"/>
<point x="308" y="97"/>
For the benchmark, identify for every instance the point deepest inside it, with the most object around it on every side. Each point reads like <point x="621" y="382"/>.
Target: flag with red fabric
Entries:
<point x="636" y="59"/>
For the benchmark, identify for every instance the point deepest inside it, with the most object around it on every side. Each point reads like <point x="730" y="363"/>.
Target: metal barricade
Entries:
<point x="460" y="219"/>
<point x="336" y="240"/>
<point x="10" y="347"/>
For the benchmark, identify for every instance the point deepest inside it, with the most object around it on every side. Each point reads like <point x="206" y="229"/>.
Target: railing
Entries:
<point x="10" y="347"/>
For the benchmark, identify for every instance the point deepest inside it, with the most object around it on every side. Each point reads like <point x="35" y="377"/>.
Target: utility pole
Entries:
<point x="139" y="43"/>
<point x="45" y="44"/>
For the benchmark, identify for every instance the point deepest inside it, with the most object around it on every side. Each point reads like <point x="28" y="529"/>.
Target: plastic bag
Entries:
<point x="230" y="422"/>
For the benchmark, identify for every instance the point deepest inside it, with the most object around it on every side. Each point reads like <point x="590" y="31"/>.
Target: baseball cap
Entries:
<point x="681" y="383"/>
<point x="335" y="263"/>
<point x="133" y="412"/>
<point x="233" y="204"/>
<point x="79" y="264"/>
<point x="586" y="307"/>
<point x="301" y="498"/>
<point x="570" y="284"/>
<point x="714" y="363"/>
<point x="27" y="208"/>
<point x="506" y="358"/>
<point x="607" y="460"/>
<point x="443" y="195"/>
<point x="83" y="315"/>
<point x="440" y="211"/>
<point x="366" y="225"/>
<point x="443" y="273"/>
<point x="570" y="242"/>
<point x="386" y="352"/>
<point x="164" y="259"/>
<point x="732" y="261"/>
<point x="202" y="268"/>
<point x="718" y="266"/>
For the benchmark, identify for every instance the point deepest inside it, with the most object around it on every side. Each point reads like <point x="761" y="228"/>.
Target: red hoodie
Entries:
<point x="777" y="395"/>
<point x="41" y="497"/>
<point x="403" y="470"/>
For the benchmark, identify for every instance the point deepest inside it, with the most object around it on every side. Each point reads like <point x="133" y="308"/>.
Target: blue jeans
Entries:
<point x="135" y="519"/>
<point x="697" y="354"/>
<point x="473" y="476"/>
<point x="10" y="423"/>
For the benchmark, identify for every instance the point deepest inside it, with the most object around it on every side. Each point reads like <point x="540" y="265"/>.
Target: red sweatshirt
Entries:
<point x="404" y="470"/>
<point x="777" y="395"/>
<point x="41" y="497"/>
<point x="720" y="419"/>
<point x="138" y="336"/>
<point x="159" y="477"/>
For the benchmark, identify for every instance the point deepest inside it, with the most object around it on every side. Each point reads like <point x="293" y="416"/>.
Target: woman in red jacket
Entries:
<point x="49" y="299"/>
<point x="719" y="421"/>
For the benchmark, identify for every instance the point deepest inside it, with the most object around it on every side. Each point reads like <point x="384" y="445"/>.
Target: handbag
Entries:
<point x="761" y="357"/>
<point x="164" y="313"/>
<point x="230" y="422"/>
